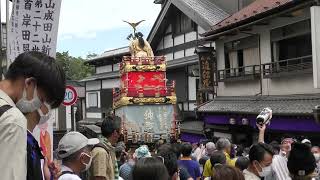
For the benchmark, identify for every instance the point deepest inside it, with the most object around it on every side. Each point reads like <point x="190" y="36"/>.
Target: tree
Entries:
<point x="74" y="67"/>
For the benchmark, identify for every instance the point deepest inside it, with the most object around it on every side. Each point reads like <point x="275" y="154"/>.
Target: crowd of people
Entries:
<point x="209" y="160"/>
<point x="35" y="84"/>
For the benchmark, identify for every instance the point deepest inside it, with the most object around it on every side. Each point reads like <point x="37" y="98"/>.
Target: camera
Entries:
<point x="265" y="116"/>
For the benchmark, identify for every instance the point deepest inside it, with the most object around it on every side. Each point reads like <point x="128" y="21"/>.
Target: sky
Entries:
<point x="94" y="26"/>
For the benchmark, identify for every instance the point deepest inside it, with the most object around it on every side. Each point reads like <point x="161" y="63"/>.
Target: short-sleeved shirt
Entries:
<point x="207" y="172"/>
<point x="250" y="176"/>
<point x="126" y="170"/>
<point x="13" y="141"/>
<point x="184" y="175"/>
<point x="192" y="167"/>
<point x="104" y="164"/>
<point x="279" y="166"/>
<point x="68" y="176"/>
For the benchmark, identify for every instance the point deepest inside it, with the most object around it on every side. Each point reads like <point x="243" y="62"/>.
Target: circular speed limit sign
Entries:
<point x="70" y="96"/>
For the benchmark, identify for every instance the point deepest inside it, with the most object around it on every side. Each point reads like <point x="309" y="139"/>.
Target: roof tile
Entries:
<point x="281" y="105"/>
<point x="256" y="8"/>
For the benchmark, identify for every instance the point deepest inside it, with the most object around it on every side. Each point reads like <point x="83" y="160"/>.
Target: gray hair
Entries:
<point x="222" y="144"/>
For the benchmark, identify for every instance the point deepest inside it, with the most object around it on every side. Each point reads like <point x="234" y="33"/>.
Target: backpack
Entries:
<point x="4" y="108"/>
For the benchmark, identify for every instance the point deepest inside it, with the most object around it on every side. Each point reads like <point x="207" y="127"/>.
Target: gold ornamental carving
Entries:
<point x="143" y="68"/>
<point x="123" y="101"/>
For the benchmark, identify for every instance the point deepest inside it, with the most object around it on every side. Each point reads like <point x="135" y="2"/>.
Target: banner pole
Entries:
<point x="7" y="32"/>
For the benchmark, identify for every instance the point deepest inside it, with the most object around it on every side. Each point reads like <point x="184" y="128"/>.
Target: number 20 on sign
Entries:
<point x="70" y="96"/>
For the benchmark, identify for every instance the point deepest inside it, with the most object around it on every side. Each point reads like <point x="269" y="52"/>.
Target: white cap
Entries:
<point x="306" y="141"/>
<point x="73" y="142"/>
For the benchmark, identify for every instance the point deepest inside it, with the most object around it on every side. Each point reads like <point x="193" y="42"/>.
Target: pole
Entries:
<point x="1" y="54"/>
<point x="7" y="29"/>
<point x="0" y="33"/>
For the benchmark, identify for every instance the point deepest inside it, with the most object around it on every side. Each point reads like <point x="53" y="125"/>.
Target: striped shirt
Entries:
<point x="279" y="166"/>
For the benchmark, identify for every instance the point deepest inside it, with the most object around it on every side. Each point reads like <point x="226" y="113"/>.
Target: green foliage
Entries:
<point x="75" y="67"/>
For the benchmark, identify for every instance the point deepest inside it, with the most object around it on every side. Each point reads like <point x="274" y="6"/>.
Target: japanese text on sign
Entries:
<point x="33" y="27"/>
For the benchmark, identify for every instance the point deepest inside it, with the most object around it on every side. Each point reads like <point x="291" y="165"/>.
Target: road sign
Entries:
<point x="70" y="96"/>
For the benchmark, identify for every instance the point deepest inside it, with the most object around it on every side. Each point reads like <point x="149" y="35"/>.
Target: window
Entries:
<point x="234" y="53"/>
<point x="292" y="41"/>
<point x="92" y="99"/>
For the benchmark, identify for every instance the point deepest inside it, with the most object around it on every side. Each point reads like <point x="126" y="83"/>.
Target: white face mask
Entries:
<point x="317" y="156"/>
<point x="265" y="171"/>
<point x="44" y="117"/>
<point x="89" y="163"/>
<point x="28" y="106"/>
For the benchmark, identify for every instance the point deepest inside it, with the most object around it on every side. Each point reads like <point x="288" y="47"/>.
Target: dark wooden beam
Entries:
<point x="180" y="47"/>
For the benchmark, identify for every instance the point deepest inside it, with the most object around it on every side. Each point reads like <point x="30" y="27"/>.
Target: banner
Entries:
<point x="315" y="34"/>
<point x="207" y="66"/>
<point x="33" y="27"/>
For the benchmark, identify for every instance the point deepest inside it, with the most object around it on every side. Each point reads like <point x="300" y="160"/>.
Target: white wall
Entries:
<point x="191" y="36"/>
<point x="300" y="84"/>
<point x="239" y="88"/>
<point x="110" y="83"/>
<point x="94" y="115"/>
<point x="179" y="40"/>
<point x="192" y="88"/>
<point x="169" y="56"/>
<point x="93" y="85"/>
<point x="179" y="54"/>
<point x="190" y="52"/>
<point x="103" y="69"/>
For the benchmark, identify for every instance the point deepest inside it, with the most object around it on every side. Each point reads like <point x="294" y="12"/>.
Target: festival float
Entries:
<point x="145" y="100"/>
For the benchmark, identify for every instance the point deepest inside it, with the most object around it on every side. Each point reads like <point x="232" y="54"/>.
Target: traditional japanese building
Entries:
<point x="99" y="86"/>
<point x="176" y="35"/>
<point x="264" y="58"/>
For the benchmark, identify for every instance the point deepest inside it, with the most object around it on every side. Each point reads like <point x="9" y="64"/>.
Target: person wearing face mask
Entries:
<point x="301" y="162"/>
<point x="260" y="156"/>
<point x="74" y="149"/>
<point x="34" y="83"/>
<point x="316" y="153"/>
<point x="104" y="163"/>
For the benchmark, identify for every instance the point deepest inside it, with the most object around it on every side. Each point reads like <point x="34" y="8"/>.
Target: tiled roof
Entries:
<point x="108" y="75"/>
<point x="206" y="9"/>
<point x="203" y="12"/>
<point x="281" y="105"/>
<point x="111" y="53"/>
<point x="256" y="9"/>
<point x="192" y="127"/>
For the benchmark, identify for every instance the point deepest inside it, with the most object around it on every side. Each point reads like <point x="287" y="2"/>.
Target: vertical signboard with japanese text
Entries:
<point x="207" y="68"/>
<point x="33" y="26"/>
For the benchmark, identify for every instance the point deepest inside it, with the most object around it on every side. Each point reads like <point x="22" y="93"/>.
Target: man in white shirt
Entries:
<point x="74" y="150"/>
<point x="34" y="83"/>
<point x="260" y="156"/>
<point x="279" y="165"/>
